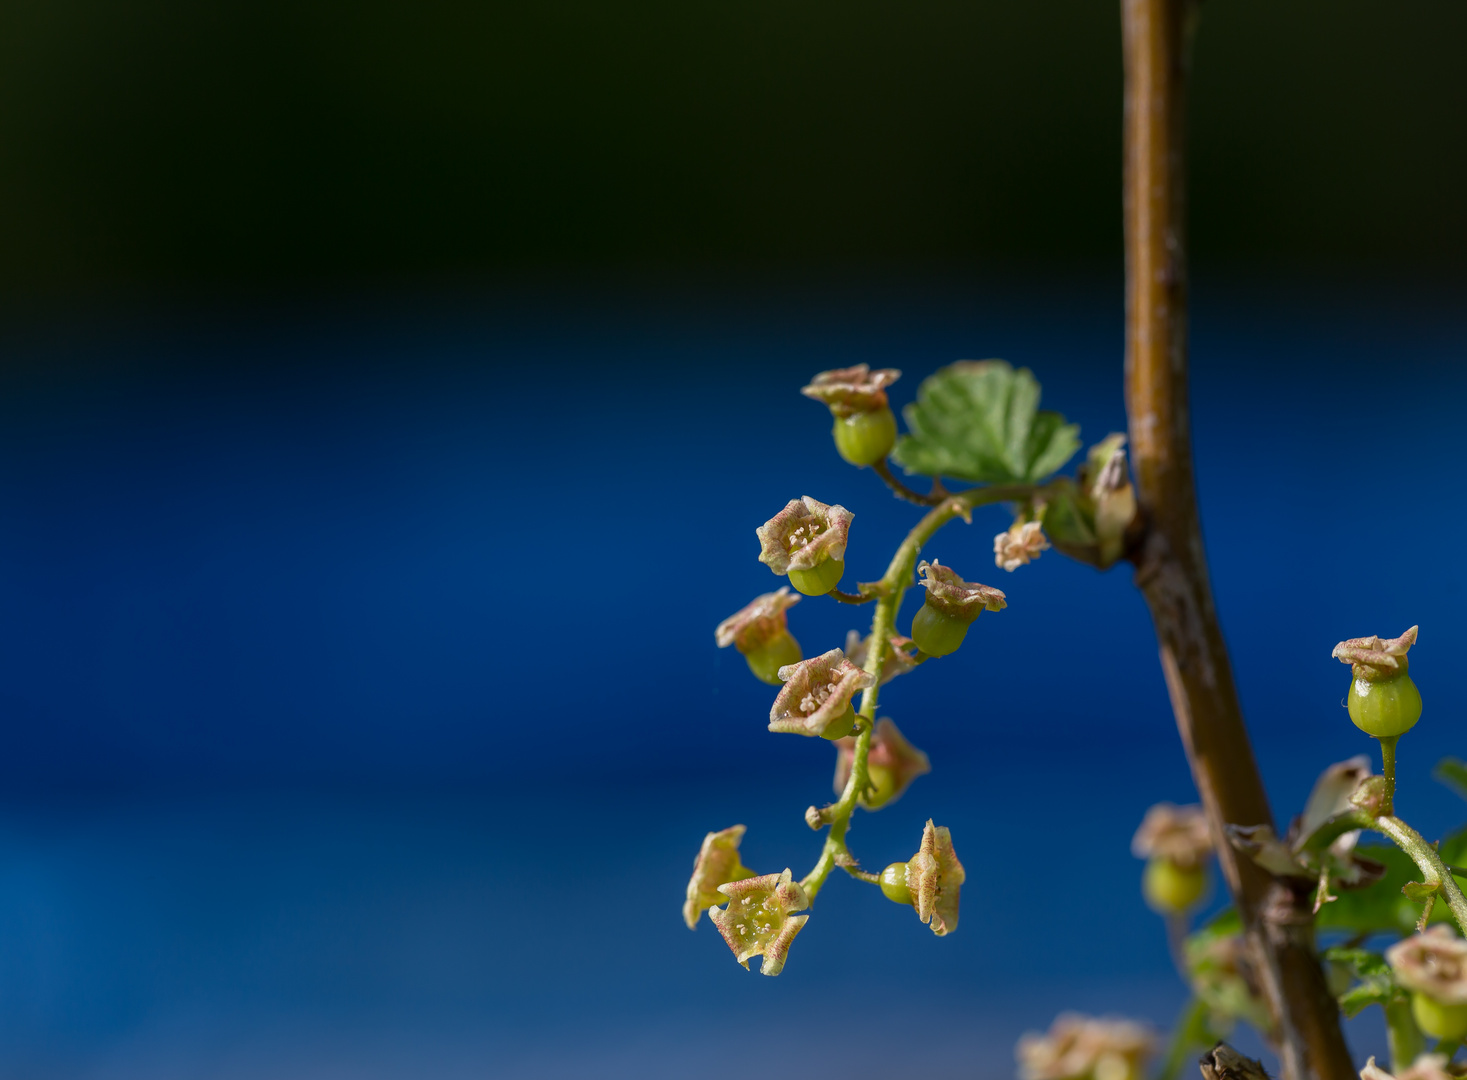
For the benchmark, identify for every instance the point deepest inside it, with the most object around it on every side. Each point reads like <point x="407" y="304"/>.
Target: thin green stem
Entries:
<point x="1424" y="855"/>
<point x="1388" y="770"/>
<point x="901" y="491"/>
<point x="1192" y="1031"/>
<point x="849" y="598"/>
<point x="890" y="589"/>
<point x="1403" y="1037"/>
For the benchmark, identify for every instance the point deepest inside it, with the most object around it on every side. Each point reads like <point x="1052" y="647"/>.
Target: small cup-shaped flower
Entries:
<point x="1433" y="966"/>
<point x="1019" y="546"/>
<point x="1175" y="842"/>
<point x="1080" y="1047"/>
<point x="934" y="878"/>
<point x="892" y="764"/>
<point x="717" y="864"/>
<point x="897" y="661"/>
<point x="816" y="696"/>
<point x="759" y="919"/>
<point x="865" y="429"/>
<point x="1425" y="1067"/>
<point x="760" y="631"/>
<point x="950" y="607"/>
<point x="806" y="541"/>
<point x="1383" y="700"/>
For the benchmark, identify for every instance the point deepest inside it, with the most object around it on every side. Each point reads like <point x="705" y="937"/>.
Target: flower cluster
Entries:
<point x="760" y="918"/>
<point x="803" y="534"/>
<point x="816" y="696"/>
<point x="1080" y="1047"/>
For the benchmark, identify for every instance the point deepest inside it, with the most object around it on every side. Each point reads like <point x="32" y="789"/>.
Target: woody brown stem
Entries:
<point x="1171" y="568"/>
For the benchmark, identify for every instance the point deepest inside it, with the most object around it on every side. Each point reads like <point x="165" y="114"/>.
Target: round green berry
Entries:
<point x="1386" y="707"/>
<point x="937" y="634"/>
<point x="894" y="883"/>
<point x="883" y="787"/>
<point x="1438" y="1020"/>
<point x="867" y="437"/>
<point x="766" y="660"/>
<point x="820" y="580"/>
<point x="842" y="725"/>
<point x="1171" y="889"/>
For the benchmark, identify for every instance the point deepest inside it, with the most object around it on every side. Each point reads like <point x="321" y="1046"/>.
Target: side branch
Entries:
<point x="901" y="491"/>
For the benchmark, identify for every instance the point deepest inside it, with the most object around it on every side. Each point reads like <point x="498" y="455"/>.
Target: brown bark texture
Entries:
<point x="1171" y="566"/>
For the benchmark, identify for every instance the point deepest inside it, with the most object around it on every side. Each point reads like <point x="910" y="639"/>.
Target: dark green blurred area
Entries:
<point x="163" y="141"/>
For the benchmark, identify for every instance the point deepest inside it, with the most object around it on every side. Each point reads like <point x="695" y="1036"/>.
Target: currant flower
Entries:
<point x="759" y="919"/>
<point x="1020" y="545"/>
<point x="932" y="879"/>
<point x="865" y="429"/>
<point x="1383" y="701"/>
<point x="760" y="631"/>
<point x="717" y="864"/>
<point x="897" y="661"/>
<point x="1175" y="842"/>
<point x="806" y="541"/>
<point x="1433" y="966"/>
<point x="1425" y="1067"/>
<point x="816" y="696"/>
<point x="950" y="607"/>
<point x="892" y="764"/>
<point x="1078" y="1047"/>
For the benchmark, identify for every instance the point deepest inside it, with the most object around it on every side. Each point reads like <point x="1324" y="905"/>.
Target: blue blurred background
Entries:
<point x="388" y="405"/>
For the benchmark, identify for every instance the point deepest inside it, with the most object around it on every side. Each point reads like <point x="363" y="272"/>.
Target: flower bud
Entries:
<point x="759" y="919"/>
<point x="816" y="696"/>
<point x="1383" y="700"/>
<point x="760" y="631"/>
<point x="806" y="541"/>
<point x="1433" y="966"/>
<point x="865" y="429"/>
<point x="717" y="864"/>
<point x="1019" y="546"/>
<point x="950" y="607"/>
<point x="892" y="764"/>
<point x="935" y="878"/>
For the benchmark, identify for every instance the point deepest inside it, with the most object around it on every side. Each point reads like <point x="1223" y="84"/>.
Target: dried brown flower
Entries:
<point x="816" y="693"/>
<point x="1178" y="834"/>
<point x="1020" y="545"/>
<point x="935" y="878"/>
<point x="759" y="919"/>
<point x="1375" y="658"/>
<point x="1433" y="963"/>
<point x="852" y="390"/>
<point x="717" y="864"/>
<point x="805" y="533"/>
<point x="1080" y="1047"/>
<point x="892" y="764"/>
<point x="954" y="597"/>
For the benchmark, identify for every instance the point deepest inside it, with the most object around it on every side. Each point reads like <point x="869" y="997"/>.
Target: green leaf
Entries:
<point x="1452" y="772"/>
<point x="1381" y="907"/>
<point x="1453" y="849"/>
<point x="1377" y="985"/>
<point x="980" y="421"/>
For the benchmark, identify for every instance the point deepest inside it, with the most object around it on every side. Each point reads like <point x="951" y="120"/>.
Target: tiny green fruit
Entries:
<point x="894" y="884"/>
<point x="883" y="786"/>
<point x="841" y="726"/>
<point x="1171" y="889"/>
<point x="937" y="634"/>
<point x="1385" y="707"/>
<point x="766" y="660"/>
<point x="864" y="438"/>
<point x="819" y="580"/>
<point x="1438" y="1020"/>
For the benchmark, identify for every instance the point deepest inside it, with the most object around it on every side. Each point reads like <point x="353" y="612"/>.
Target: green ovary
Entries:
<point x="1438" y="1020"/>
<point x="1171" y="889"/>
<point x="937" y="634"/>
<point x="883" y="787"/>
<point x="865" y="438"/>
<point x="1385" y="708"/>
<point x="819" y="580"/>
<point x="894" y="883"/>
<point x="842" y="725"/>
<point x="766" y="660"/>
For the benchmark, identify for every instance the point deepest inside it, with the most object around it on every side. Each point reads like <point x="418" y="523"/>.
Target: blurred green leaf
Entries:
<point x="1381" y="907"/>
<point x="1452" y="772"/>
<point x="1453" y="848"/>
<point x="980" y="421"/>
<point x="1377" y="985"/>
